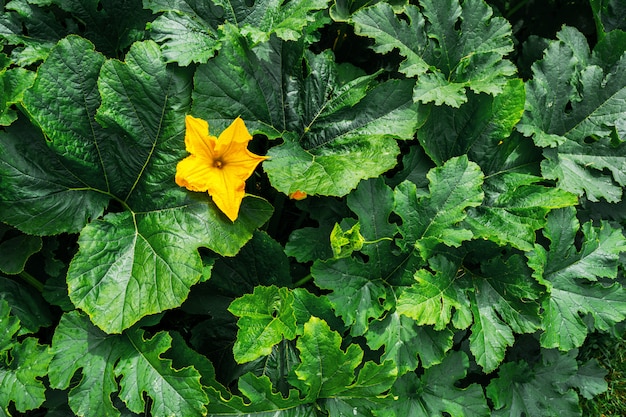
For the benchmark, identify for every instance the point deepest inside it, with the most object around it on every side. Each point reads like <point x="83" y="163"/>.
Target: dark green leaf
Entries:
<point x="571" y="274"/>
<point x="447" y="60"/>
<point x="542" y="389"/>
<point x="436" y="392"/>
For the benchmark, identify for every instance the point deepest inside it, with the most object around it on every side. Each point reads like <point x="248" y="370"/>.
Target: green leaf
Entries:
<point x="574" y="105"/>
<point x="26" y="304"/>
<point x="14" y="81"/>
<point x="128" y="154"/>
<point x="542" y="389"/>
<point x="428" y="220"/>
<point x="112" y="25"/>
<point x="436" y="392"/>
<point x="326" y="370"/>
<point x="265" y="317"/>
<point x="432" y="298"/>
<point x="261" y="261"/>
<point x="15" y="249"/>
<point x="342" y="10"/>
<point x="128" y="362"/>
<point x="571" y="276"/>
<point x="65" y="184"/>
<point x="22" y="365"/>
<point x="504" y="300"/>
<point x="405" y="342"/>
<point x="447" y="60"/>
<point x="360" y="288"/>
<point x="344" y="243"/>
<point x="190" y="29"/>
<point x="477" y="128"/>
<point x="335" y="132"/>
<point x="515" y="208"/>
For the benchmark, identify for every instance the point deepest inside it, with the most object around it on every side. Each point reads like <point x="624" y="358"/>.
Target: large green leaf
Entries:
<point x="436" y="392"/>
<point x="544" y="388"/>
<point x="326" y="370"/>
<point x="504" y="299"/>
<point x="65" y="183"/>
<point x="190" y="30"/>
<point x="515" y="208"/>
<point x="571" y="276"/>
<point x="449" y="46"/>
<point x="265" y="317"/>
<point x="405" y="342"/>
<point x="431" y="219"/>
<point x="22" y="365"/>
<point x="127" y="154"/>
<point x="575" y="106"/>
<point x="477" y="128"/>
<point x="129" y="364"/>
<point x="336" y="131"/>
<point x="359" y="287"/>
<point x="434" y="299"/>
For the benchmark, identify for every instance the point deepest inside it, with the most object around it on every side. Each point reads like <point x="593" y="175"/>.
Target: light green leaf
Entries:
<point x="190" y="30"/>
<point x="432" y="298"/>
<point x="434" y="218"/>
<point x="542" y="389"/>
<point x="570" y="275"/>
<point x="14" y="81"/>
<point x="22" y="365"/>
<point x="344" y="243"/>
<point x="335" y="132"/>
<point x="326" y="370"/>
<point x="132" y="358"/>
<point x="265" y="317"/>
<point x="447" y="60"/>
<point x="436" y="392"/>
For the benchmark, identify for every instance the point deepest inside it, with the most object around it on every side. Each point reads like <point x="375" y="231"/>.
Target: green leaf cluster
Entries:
<point x="460" y="237"/>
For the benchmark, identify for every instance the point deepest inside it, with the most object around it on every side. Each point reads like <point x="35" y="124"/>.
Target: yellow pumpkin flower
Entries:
<point x="219" y="166"/>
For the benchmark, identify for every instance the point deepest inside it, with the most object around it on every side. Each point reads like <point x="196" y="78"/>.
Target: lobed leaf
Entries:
<point x="446" y="60"/>
<point x="544" y="388"/>
<point x="22" y="365"/>
<point x="335" y="133"/>
<point x="190" y="30"/>
<point x="135" y="360"/>
<point x="575" y="106"/>
<point x="436" y="392"/>
<point x="435" y="218"/>
<point x="571" y="274"/>
<point x="265" y="317"/>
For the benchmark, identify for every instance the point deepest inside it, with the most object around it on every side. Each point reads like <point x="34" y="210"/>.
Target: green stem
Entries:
<point x="32" y="280"/>
<point x="303" y="281"/>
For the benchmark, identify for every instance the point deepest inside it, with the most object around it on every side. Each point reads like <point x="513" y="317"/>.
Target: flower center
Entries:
<point x="218" y="163"/>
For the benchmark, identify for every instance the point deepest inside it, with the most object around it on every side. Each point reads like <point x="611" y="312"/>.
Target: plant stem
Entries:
<point x="31" y="280"/>
<point x="303" y="281"/>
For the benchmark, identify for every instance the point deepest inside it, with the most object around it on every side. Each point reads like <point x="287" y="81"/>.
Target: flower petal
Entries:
<point x="227" y="193"/>
<point x="197" y="138"/>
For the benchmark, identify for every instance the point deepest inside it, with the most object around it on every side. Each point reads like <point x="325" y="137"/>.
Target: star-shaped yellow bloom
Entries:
<point x="220" y="166"/>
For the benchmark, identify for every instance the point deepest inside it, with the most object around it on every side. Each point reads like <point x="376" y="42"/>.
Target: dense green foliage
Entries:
<point x="461" y="240"/>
